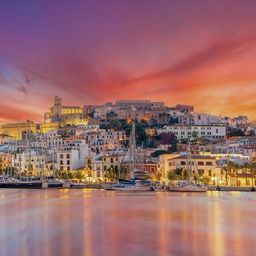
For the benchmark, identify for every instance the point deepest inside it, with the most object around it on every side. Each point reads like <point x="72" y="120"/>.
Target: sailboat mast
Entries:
<point x="132" y="152"/>
<point x="189" y="164"/>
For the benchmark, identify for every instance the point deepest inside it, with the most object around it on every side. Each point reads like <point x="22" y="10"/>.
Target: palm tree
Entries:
<point x="231" y="171"/>
<point x="245" y="168"/>
<point x="234" y="170"/>
<point x="226" y="170"/>
<point x="253" y="170"/>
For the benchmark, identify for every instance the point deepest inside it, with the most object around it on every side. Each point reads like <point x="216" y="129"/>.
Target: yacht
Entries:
<point x="139" y="181"/>
<point x="9" y="182"/>
<point x="187" y="186"/>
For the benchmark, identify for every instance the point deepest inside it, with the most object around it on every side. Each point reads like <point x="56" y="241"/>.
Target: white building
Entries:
<point x="67" y="160"/>
<point x="29" y="162"/>
<point x="200" y="131"/>
<point x="199" y="119"/>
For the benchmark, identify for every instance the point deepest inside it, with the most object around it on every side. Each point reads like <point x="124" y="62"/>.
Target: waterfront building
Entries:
<point x="68" y="160"/>
<point x="30" y="162"/>
<point x="150" y="167"/>
<point x="100" y="165"/>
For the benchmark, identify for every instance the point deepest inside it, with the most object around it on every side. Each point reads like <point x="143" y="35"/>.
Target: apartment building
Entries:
<point x="193" y="131"/>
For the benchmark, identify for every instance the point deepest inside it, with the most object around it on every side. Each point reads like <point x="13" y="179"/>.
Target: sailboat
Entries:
<point x="136" y="183"/>
<point x="188" y="185"/>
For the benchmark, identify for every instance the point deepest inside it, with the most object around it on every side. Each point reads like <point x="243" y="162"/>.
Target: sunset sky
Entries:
<point x="199" y="52"/>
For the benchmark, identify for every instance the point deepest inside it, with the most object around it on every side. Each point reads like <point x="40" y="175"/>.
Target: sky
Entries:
<point x="199" y="52"/>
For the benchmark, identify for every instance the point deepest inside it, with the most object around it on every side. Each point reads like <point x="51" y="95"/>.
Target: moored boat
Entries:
<point x="132" y="186"/>
<point x="188" y="187"/>
<point x="21" y="184"/>
<point x="139" y="181"/>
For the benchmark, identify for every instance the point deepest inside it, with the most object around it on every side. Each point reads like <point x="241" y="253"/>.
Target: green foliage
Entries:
<point x="205" y="179"/>
<point x="91" y="114"/>
<point x="71" y="175"/>
<point x="80" y="175"/>
<point x="171" y="176"/>
<point x="177" y="174"/>
<point x="158" y="153"/>
<point x="196" y="178"/>
<point x="141" y="135"/>
<point x="234" y="132"/>
<point x="173" y="120"/>
<point x="195" y="135"/>
<point x="111" y="116"/>
<point x="115" y="173"/>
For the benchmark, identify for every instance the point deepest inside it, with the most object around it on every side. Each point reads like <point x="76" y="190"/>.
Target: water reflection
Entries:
<point x="88" y="222"/>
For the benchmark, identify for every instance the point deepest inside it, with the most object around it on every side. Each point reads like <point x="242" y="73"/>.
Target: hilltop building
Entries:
<point x="18" y="130"/>
<point x="60" y="116"/>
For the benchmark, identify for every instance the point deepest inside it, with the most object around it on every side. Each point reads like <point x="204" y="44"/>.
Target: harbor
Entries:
<point x="97" y="222"/>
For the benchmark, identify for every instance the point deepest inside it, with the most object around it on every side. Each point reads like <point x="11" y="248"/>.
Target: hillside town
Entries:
<point x="90" y="144"/>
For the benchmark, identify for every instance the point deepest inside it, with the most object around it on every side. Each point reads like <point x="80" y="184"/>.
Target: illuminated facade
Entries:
<point x="60" y="116"/>
<point x="18" y="130"/>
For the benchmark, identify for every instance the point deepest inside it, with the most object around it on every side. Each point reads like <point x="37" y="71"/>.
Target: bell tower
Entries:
<point x="57" y="108"/>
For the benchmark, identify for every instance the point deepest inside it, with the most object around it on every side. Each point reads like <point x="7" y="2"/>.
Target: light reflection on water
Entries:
<point x="90" y="222"/>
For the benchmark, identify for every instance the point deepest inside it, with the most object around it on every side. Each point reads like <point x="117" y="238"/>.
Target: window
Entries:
<point x="183" y="162"/>
<point x="209" y="163"/>
<point x="200" y="163"/>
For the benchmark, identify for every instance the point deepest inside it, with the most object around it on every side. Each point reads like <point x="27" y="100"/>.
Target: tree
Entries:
<point x="233" y="171"/>
<point x="111" y="116"/>
<point x="91" y="114"/>
<point x="79" y="175"/>
<point x="253" y="170"/>
<point x="245" y="168"/>
<point x="158" y="153"/>
<point x="234" y="132"/>
<point x="173" y="120"/>
<point x="196" y="178"/>
<point x="71" y="175"/>
<point x="179" y="173"/>
<point x="111" y="174"/>
<point x="227" y="172"/>
<point x="195" y="135"/>
<point x="205" y="179"/>
<point x="171" y="176"/>
<point x="185" y="174"/>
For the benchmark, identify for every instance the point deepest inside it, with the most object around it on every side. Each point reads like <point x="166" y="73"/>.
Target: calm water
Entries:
<point x="88" y="222"/>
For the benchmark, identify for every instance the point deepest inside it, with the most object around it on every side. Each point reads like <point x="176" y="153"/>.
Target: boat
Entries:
<point x="139" y="181"/>
<point x="55" y="184"/>
<point x="132" y="186"/>
<point x="187" y="187"/>
<point x="6" y="182"/>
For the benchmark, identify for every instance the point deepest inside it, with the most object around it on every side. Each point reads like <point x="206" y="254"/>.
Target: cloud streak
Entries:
<point x="198" y="54"/>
